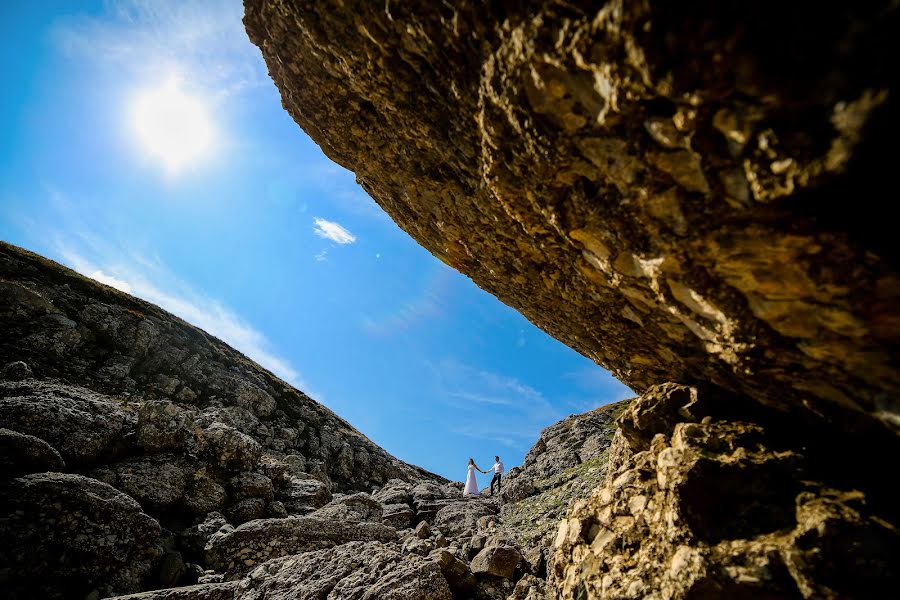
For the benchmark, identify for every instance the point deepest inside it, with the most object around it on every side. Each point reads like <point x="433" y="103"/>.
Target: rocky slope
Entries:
<point x="140" y="453"/>
<point x="129" y="437"/>
<point x="684" y="193"/>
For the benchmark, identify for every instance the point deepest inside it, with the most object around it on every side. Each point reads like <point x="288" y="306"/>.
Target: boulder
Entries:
<point x="351" y="508"/>
<point x="21" y="454"/>
<point x="364" y="570"/>
<point x="423" y="531"/>
<point x="162" y="425"/>
<point x="461" y="517"/>
<point x="302" y="495"/>
<point x="251" y="485"/>
<point x="203" y="495"/>
<point x="77" y="422"/>
<point x="457" y="573"/>
<point x="235" y="551"/>
<point x="207" y="591"/>
<point x="246" y="510"/>
<point x="499" y="560"/>
<point x="195" y="537"/>
<point x="65" y="535"/>
<point x="230" y="447"/>
<point x="15" y="371"/>
<point x="158" y="481"/>
<point x="398" y="516"/>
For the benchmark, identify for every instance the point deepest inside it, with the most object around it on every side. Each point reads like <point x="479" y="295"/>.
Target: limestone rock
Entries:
<point x="21" y="454"/>
<point x="462" y="516"/>
<point x="230" y="447"/>
<point x="157" y="481"/>
<point x="251" y="485"/>
<point x="77" y="422"/>
<point x="246" y="510"/>
<point x="64" y="535"/>
<point x="15" y="371"/>
<point x="162" y="425"/>
<point x="643" y="193"/>
<point x="351" y="508"/>
<point x="235" y="551"/>
<point x="499" y="560"/>
<point x="457" y="573"/>
<point x="398" y="516"/>
<point x="208" y="591"/>
<point x="364" y="570"/>
<point x="713" y="506"/>
<point x="303" y="495"/>
<point x="423" y="531"/>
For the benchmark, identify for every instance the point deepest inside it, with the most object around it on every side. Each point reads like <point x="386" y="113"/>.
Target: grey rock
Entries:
<point x="498" y="560"/>
<point x="303" y="495"/>
<point x="15" y="371"/>
<point x="462" y="516"/>
<point x="79" y="423"/>
<point x="251" y="485"/>
<point x="158" y="481"/>
<point x="21" y="454"/>
<point x="235" y="551"/>
<point x="351" y="508"/>
<point x="398" y="516"/>
<point x="246" y="510"/>
<point x="423" y="531"/>
<point x="457" y="573"/>
<point x="162" y="425"/>
<point x="195" y="537"/>
<point x="205" y="591"/>
<point x="64" y="535"/>
<point x="204" y="495"/>
<point x="363" y="570"/>
<point x="230" y="447"/>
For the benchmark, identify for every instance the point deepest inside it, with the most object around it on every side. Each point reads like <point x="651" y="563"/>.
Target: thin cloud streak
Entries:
<point x="194" y="307"/>
<point x="335" y="232"/>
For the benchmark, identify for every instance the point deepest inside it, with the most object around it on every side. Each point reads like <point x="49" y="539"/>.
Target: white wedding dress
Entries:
<point x="471" y="484"/>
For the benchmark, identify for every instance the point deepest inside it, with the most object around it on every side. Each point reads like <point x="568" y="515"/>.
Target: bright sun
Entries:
<point x="172" y="125"/>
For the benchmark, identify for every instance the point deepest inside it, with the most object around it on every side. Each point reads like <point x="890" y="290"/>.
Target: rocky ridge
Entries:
<point x="133" y="438"/>
<point x="121" y="486"/>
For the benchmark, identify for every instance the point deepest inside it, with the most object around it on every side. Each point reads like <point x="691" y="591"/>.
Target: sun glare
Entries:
<point x="172" y="125"/>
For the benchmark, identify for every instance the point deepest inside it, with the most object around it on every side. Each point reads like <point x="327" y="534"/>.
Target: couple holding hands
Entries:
<point x="472" y="485"/>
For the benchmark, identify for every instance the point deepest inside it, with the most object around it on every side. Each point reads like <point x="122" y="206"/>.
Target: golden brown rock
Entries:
<point x="680" y="192"/>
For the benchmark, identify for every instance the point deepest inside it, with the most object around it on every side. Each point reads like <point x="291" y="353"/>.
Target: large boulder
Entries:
<point x="77" y="422"/>
<point x="461" y="517"/>
<point x="21" y="454"/>
<point x="499" y="560"/>
<point x="363" y="570"/>
<point x="157" y="481"/>
<point x="208" y="591"/>
<point x="65" y="535"/>
<point x="235" y="551"/>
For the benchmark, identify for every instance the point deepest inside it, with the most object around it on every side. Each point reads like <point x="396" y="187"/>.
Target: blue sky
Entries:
<point x="259" y="239"/>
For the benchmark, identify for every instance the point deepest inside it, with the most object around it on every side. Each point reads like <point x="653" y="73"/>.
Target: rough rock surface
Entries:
<point x="660" y="187"/>
<point x="663" y="187"/>
<point x="715" y="506"/>
<point x="234" y="551"/>
<point x="363" y="571"/>
<point x="66" y="535"/>
<point x="166" y="432"/>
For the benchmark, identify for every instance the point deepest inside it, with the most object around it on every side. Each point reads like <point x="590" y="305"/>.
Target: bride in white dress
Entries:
<point x="471" y="484"/>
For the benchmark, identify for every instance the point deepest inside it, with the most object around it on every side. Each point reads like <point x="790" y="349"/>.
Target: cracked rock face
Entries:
<point x="681" y="193"/>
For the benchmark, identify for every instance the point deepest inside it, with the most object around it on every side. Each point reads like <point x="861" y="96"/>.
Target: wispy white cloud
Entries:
<point x="335" y="232"/>
<point x="148" y="278"/>
<point x="494" y="407"/>
<point x="322" y="256"/>
<point x="119" y="284"/>
<point x="202" y="41"/>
